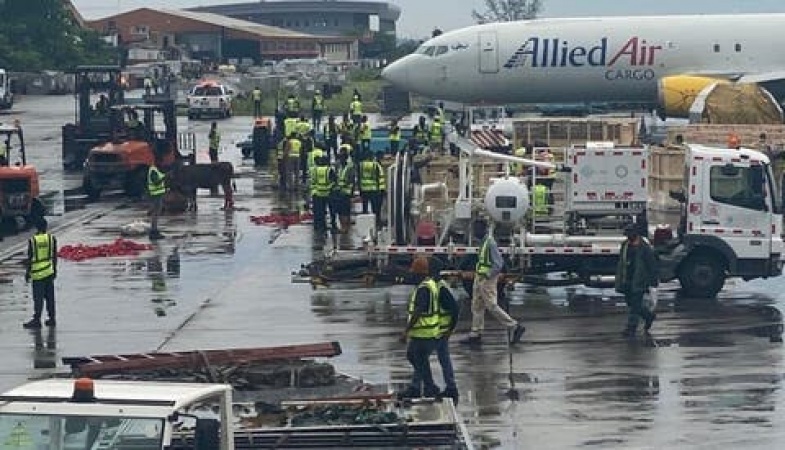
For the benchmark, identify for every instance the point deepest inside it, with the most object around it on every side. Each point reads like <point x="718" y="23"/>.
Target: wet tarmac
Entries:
<point x="710" y="377"/>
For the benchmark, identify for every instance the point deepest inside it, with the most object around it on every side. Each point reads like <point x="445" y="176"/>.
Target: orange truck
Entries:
<point x="20" y="206"/>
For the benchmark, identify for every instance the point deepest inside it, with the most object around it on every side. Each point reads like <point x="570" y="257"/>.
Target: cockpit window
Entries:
<point x="441" y="50"/>
<point x="429" y="50"/>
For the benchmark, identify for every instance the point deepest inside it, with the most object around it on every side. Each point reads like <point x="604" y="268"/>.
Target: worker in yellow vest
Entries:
<point x="518" y="169"/>
<point x="290" y="125"/>
<point x="372" y="185"/>
<point x="395" y="137"/>
<point x="347" y="130"/>
<point x="540" y="206"/>
<point x="256" y="95"/>
<point x="485" y="292"/>
<point x="356" y="110"/>
<point x="303" y="127"/>
<point x="366" y="134"/>
<point x="323" y="183"/>
<point x="292" y="106"/>
<point x="292" y="150"/>
<point x="436" y="135"/>
<point x="347" y="185"/>
<point x="156" y="189"/>
<point x="330" y="134"/>
<point x="42" y="271"/>
<point x="317" y="109"/>
<point x="420" y="134"/>
<point x="215" y="142"/>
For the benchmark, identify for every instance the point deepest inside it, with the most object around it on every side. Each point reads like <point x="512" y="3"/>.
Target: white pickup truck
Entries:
<point x="210" y="98"/>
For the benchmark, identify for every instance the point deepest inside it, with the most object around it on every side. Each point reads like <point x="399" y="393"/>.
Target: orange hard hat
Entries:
<point x="420" y="266"/>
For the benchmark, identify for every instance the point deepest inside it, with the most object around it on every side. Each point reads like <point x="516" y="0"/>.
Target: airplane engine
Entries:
<point x="678" y="93"/>
<point x="507" y="200"/>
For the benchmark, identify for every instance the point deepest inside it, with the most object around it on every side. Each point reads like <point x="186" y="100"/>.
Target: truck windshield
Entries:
<point x="44" y="432"/>
<point x="208" y="90"/>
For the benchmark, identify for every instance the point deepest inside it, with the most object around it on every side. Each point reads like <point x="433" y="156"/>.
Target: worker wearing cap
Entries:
<point x="256" y="95"/>
<point x="323" y="183"/>
<point x="317" y="109"/>
<point x="42" y="271"/>
<point x="637" y="274"/>
<point x="422" y="333"/>
<point x="156" y="189"/>
<point x="330" y="133"/>
<point x="372" y="185"/>
<point x="485" y="290"/>
<point x="347" y="185"/>
<point x="420" y="134"/>
<point x="395" y="137"/>
<point x="449" y="311"/>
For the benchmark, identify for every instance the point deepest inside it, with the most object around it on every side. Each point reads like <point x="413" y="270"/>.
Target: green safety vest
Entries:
<point x="436" y="131"/>
<point x="395" y="134"/>
<point x="356" y="108"/>
<point x="318" y="103"/>
<point x="445" y="319"/>
<point x="303" y="128"/>
<point x="257" y="95"/>
<point x="295" y="145"/>
<point x="215" y="139"/>
<point x="427" y="327"/>
<point x="346" y="180"/>
<point x="155" y="189"/>
<point x="290" y="126"/>
<point x="371" y="178"/>
<point x="540" y="199"/>
<point x="365" y="132"/>
<point x="321" y="185"/>
<point x="484" y="264"/>
<point x="42" y="264"/>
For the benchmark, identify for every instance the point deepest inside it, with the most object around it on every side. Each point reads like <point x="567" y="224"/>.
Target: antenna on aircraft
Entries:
<point x="436" y="32"/>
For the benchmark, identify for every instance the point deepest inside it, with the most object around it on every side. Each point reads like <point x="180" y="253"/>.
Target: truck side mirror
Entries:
<point x="206" y="435"/>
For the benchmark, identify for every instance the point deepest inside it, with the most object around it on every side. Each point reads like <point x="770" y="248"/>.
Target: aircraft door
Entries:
<point x="489" y="52"/>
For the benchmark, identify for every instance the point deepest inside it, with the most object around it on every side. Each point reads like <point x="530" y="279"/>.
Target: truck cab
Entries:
<point x="209" y="98"/>
<point x="731" y="221"/>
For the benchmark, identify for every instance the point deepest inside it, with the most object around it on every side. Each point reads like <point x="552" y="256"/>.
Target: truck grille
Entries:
<point x="17" y="202"/>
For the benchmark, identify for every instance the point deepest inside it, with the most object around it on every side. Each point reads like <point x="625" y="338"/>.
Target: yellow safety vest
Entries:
<point x="371" y="178"/>
<point x="303" y="128"/>
<point x="427" y="327"/>
<point x="517" y="168"/>
<point x="346" y="180"/>
<point x="42" y="265"/>
<point x="292" y="105"/>
<point x="257" y="95"/>
<point x="484" y="264"/>
<point x="153" y="188"/>
<point x="356" y="108"/>
<point x="436" y="131"/>
<point x="318" y="103"/>
<point x="321" y="185"/>
<point x="395" y="134"/>
<point x="313" y="155"/>
<point x="294" y="148"/>
<point x="290" y="126"/>
<point x="366" y="132"/>
<point x="420" y="133"/>
<point x="215" y="139"/>
<point x="540" y="199"/>
<point x="445" y="319"/>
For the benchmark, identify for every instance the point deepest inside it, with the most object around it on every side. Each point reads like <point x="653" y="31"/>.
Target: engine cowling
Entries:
<point x="678" y="93"/>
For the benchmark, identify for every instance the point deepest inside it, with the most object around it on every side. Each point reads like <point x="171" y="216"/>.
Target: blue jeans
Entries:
<point x="443" y="353"/>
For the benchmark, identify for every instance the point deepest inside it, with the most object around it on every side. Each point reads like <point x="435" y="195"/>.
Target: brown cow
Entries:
<point x="188" y="178"/>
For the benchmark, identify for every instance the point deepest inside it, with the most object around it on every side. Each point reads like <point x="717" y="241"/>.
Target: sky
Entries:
<point x="420" y="17"/>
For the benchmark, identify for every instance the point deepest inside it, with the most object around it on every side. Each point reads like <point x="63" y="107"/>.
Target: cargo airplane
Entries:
<point x="662" y="60"/>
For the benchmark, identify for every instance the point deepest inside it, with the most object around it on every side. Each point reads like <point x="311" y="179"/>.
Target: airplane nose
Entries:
<point x="397" y="73"/>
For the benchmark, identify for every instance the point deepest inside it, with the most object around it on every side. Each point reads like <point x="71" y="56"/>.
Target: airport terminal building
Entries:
<point x="318" y="17"/>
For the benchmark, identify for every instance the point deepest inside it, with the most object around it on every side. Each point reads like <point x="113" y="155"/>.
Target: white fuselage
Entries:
<point x="609" y="59"/>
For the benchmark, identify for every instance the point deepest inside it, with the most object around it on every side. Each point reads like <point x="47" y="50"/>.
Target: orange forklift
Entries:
<point x="20" y="206"/>
<point x="139" y="133"/>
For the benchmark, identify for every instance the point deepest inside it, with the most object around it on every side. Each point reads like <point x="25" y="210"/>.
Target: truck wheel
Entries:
<point x="702" y="275"/>
<point x="92" y="191"/>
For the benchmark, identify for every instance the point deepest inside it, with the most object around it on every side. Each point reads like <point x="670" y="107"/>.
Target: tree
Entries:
<point x="508" y="10"/>
<point x="41" y="34"/>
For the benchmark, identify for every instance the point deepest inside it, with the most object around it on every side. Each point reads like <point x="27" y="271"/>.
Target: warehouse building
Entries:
<point x="319" y="17"/>
<point x="214" y="37"/>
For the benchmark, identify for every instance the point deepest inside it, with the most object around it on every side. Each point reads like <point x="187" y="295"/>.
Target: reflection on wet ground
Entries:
<point x="708" y="377"/>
